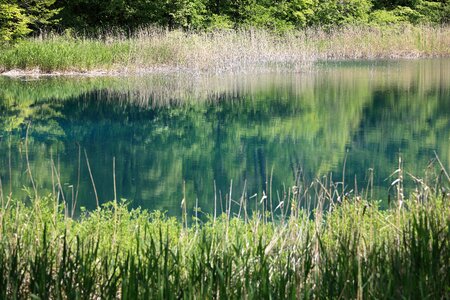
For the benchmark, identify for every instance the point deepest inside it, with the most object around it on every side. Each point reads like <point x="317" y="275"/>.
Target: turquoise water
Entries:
<point x="244" y="133"/>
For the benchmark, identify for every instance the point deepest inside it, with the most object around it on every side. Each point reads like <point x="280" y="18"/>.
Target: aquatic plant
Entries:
<point x="156" y="50"/>
<point x="345" y="248"/>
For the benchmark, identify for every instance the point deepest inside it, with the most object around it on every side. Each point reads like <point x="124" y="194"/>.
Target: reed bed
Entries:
<point x="156" y="50"/>
<point x="345" y="248"/>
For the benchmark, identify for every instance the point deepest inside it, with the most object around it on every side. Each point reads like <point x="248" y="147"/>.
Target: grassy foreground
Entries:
<point x="155" y="49"/>
<point x="354" y="250"/>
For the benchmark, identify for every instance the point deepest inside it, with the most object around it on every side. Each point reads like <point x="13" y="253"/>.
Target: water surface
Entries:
<point x="213" y="134"/>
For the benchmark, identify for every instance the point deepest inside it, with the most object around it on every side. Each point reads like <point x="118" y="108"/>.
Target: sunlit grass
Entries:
<point x="156" y="49"/>
<point x="349" y="249"/>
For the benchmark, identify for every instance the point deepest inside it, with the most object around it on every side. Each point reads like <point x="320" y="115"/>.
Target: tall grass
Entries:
<point x="345" y="248"/>
<point x="155" y="49"/>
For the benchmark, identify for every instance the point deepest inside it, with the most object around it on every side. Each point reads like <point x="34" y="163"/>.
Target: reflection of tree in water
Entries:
<point x="226" y="130"/>
<point x="411" y="121"/>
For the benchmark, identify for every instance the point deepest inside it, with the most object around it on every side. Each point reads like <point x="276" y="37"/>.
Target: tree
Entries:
<point x="19" y="18"/>
<point x="188" y="14"/>
<point x="445" y="11"/>
<point x="299" y="13"/>
<point x="40" y="12"/>
<point x="13" y="21"/>
<point x="341" y="12"/>
<point x="391" y="4"/>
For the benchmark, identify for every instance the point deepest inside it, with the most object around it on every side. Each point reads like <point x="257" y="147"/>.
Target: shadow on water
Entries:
<point x="255" y="130"/>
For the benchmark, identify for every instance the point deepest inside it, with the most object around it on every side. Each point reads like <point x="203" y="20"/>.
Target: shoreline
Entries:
<point x="218" y="52"/>
<point x="126" y="72"/>
<point x="17" y="73"/>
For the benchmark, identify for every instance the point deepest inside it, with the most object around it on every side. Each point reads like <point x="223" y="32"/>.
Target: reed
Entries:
<point x="345" y="248"/>
<point x="157" y="50"/>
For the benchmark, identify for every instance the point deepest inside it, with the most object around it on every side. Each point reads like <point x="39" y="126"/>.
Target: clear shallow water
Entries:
<point x="251" y="129"/>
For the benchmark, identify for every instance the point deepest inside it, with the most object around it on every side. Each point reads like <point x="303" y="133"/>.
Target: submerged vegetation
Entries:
<point x="155" y="49"/>
<point x="344" y="248"/>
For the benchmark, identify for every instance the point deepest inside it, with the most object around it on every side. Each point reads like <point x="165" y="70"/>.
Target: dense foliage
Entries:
<point x="21" y="17"/>
<point x="272" y="14"/>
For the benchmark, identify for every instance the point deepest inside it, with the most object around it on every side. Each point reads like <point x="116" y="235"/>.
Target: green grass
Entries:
<point x="352" y="249"/>
<point x="155" y="49"/>
<point x="63" y="54"/>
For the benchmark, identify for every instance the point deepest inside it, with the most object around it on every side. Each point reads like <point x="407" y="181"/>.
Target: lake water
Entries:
<point x="251" y="132"/>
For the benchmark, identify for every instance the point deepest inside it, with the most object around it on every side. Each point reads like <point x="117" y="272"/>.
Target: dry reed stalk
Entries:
<point x="78" y="178"/>
<point x="443" y="170"/>
<point x="28" y="163"/>
<point x="154" y="50"/>
<point x="92" y="178"/>
<point x="215" y="202"/>
<point x="184" y="206"/>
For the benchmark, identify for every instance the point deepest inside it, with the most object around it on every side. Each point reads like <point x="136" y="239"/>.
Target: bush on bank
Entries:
<point x="18" y="18"/>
